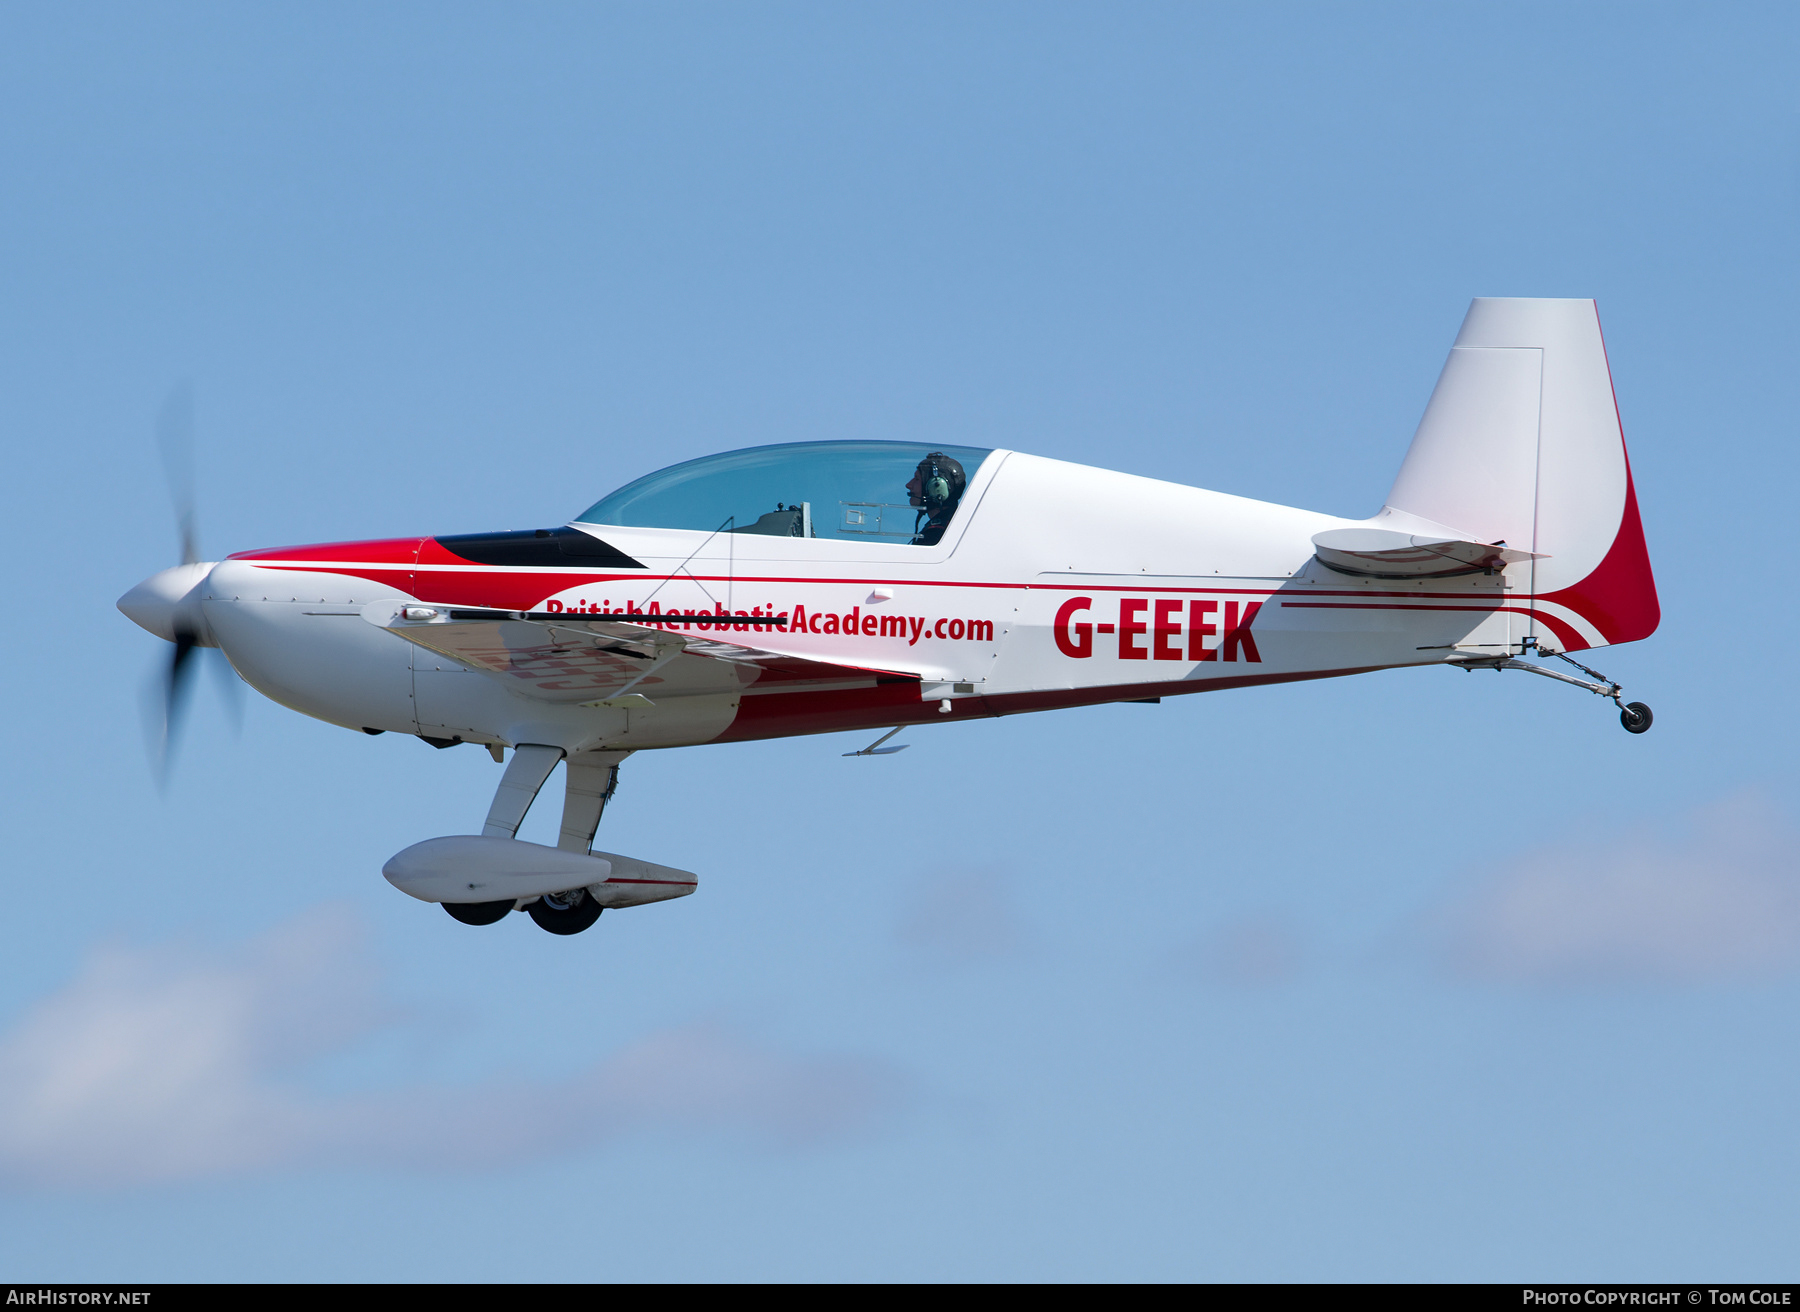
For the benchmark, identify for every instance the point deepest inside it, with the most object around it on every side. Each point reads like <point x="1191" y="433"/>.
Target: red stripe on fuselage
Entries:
<point x="1618" y="597"/>
<point x="461" y="576"/>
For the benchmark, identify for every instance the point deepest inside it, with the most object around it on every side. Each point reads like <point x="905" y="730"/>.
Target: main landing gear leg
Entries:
<point x="591" y="779"/>
<point x="1635" y="716"/>
<point x="531" y="764"/>
<point x="525" y="774"/>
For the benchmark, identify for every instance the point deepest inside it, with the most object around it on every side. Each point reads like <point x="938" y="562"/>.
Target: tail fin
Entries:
<point x="1521" y="444"/>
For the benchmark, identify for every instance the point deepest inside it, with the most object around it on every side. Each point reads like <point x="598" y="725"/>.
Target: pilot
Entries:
<point x="936" y="486"/>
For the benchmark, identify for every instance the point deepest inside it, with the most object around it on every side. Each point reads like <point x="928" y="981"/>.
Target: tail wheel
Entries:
<point x="479" y="913"/>
<point x="565" y="913"/>
<point x="1636" y="717"/>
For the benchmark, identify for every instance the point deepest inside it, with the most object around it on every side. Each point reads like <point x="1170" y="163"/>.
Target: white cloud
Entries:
<point x="1719" y="901"/>
<point x="163" y="1064"/>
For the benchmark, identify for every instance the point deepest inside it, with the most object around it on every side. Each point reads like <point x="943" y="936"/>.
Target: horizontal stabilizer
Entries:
<point x="1379" y="553"/>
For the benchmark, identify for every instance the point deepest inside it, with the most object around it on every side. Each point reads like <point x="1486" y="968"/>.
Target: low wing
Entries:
<point x="1380" y="553"/>
<point x="587" y="659"/>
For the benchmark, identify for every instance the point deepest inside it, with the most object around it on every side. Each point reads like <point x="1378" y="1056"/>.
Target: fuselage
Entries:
<point x="1054" y="585"/>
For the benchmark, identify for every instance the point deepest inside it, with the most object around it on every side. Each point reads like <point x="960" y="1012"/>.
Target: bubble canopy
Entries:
<point x="851" y="491"/>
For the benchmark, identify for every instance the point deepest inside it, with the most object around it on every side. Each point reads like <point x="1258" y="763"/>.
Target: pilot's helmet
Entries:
<point x="941" y="483"/>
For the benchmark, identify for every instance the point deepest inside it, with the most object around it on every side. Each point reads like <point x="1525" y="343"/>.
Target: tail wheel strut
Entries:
<point x="1635" y="716"/>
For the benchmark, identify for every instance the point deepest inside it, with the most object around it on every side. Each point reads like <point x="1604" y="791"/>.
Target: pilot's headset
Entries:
<point x="941" y="483"/>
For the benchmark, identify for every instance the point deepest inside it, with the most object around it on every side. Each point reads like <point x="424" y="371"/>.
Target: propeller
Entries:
<point x="185" y="627"/>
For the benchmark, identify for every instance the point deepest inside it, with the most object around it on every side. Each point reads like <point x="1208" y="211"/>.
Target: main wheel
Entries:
<point x="479" y="913"/>
<point x="1635" y="717"/>
<point x="565" y="913"/>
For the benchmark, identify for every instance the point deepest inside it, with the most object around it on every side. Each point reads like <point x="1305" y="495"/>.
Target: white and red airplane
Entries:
<point x="826" y="586"/>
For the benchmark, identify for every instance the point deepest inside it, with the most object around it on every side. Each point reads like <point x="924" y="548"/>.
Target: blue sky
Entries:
<point x="1417" y="975"/>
